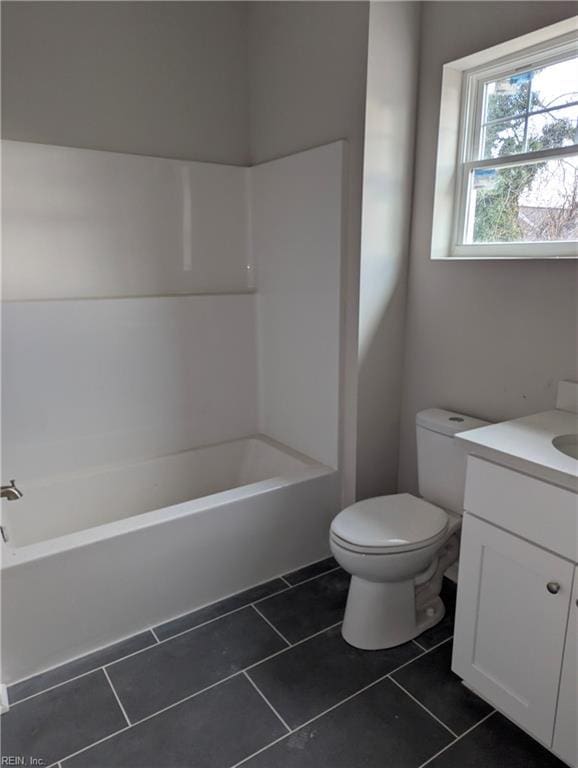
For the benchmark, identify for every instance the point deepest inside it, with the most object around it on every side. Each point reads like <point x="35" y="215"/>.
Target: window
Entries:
<point x="514" y="176"/>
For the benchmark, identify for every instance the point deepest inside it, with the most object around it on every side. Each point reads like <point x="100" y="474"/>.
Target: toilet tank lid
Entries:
<point x="447" y="422"/>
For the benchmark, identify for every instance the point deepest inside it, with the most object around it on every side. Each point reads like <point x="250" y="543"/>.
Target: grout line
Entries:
<point x="186" y="698"/>
<point x="160" y="642"/>
<point x="93" y="744"/>
<point x="352" y="696"/>
<point x="273" y="627"/>
<point x="123" y="710"/>
<point x="244" y="671"/>
<point x="202" y="624"/>
<point x="434" y="647"/>
<point x="299" y="642"/>
<point x="266" y="700"/>
<point x="330" y="709"/>
<point x="258" y="752"/>
<point x="407" y="663"/>
<point x="82" y="674"/>
<point x="393" y="680"/>
<point x="255" y="664"/>
<point x="294" y="586"/>
<point x="97" y="669"/>
<point x="459" y="738"/>
<point x="166" y="639"/>
<point x="193" y="695"/>
<point x="154" y="714"/>
<point x="246" y="605"/>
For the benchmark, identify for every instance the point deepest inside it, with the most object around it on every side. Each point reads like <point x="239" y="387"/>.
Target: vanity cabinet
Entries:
<point x="515" y="634"/>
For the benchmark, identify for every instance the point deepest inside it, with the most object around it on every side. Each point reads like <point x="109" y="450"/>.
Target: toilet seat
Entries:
<point x="389" y="524"/>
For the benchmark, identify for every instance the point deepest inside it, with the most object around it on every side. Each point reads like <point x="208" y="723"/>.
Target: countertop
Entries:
<point x="526" y="445"/>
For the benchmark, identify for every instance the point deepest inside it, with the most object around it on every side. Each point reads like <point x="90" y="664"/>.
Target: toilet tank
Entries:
<point x="441" y="460"/>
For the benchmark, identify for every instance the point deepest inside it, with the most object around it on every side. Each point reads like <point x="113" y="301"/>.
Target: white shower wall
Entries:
<point x="103" y="381"/>
<point x="297" y="244"/>
<point x="84" y="224"/>
<point x="96" y="370"/>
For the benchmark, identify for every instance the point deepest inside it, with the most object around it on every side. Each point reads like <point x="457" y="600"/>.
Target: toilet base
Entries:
<point x="379" y="616"/>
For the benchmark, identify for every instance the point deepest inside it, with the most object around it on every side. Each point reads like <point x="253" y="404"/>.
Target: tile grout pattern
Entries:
<point x="357" y="693"/>
<point x="290" y="679"/>
<point x="266" y="700"/>
<point x="169" y="637"/>
<point x="244" y="673"/>
<point x="119" y="702"/>
<point x="223" y="680"/>
<point x="458" y="738"/>
<point x="273" y="627"/>
<point x="395" y="682"/>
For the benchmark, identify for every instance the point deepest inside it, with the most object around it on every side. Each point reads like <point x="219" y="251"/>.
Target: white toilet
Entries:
<point x="398" y="547"/>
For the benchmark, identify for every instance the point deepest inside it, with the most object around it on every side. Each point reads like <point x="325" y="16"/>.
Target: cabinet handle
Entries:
<point x="553" y="587"/>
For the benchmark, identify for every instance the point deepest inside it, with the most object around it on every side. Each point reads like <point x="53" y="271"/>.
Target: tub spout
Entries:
<point x="10" y="492"/>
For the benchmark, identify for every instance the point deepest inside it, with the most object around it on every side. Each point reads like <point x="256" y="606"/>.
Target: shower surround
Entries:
<point x="171" y="387"/>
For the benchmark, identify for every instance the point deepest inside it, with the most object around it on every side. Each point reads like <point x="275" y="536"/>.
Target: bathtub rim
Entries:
<point x="13" y="556"/>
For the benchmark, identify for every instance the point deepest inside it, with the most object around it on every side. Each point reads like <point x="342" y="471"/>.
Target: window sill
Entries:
<point x="516" y="251"/>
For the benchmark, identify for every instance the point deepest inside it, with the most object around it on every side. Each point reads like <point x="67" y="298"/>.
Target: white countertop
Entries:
<point x="526" y="445"/>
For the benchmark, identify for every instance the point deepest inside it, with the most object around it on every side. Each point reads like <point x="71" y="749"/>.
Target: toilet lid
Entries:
<point x="401" y="521"/>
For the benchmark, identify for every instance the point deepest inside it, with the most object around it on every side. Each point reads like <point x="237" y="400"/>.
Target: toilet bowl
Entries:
<point x="398" y="547"/>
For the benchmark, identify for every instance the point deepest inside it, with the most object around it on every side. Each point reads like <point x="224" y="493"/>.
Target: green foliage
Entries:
<point x="497" y="209"/>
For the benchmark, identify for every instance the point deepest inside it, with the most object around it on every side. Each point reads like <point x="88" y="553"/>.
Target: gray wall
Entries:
<point x="489" y="338"/>
<point x="393" y="55"/>
<point x="153" y="78"/>
<point x="307" y="65"/>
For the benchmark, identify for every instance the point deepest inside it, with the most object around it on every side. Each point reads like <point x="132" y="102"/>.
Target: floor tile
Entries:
<point x="309" y="607"/>
<point x="432" y="682"/>
<point x="380" y="727"/>
<point x="54" y="724"/>
<point x="309" y="678"/>
<point x="151" y="680"/>
<point x="496" y="743"/>
<point x="77" y="667"/>
<point x="309" y="571"/>
<point x="213" y="611"/>
<point x="445" y="628"/>
<point x="215" y="729"/>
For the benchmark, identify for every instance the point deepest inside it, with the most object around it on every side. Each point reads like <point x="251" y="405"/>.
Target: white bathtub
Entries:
<point x="94" y="557"/>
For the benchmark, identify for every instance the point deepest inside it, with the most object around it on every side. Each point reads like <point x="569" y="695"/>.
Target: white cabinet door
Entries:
<point x="566" y="729"/>
<point x="511" y="623"/>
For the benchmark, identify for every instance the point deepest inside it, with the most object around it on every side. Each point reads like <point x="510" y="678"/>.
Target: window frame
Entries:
<point x="463" y="102"/>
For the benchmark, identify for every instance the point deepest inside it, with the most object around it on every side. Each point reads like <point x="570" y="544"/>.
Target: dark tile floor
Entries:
<point x="264" y="680"/>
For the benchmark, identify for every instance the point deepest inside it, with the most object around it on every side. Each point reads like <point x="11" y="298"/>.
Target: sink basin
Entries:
<point x="567" y="444"/>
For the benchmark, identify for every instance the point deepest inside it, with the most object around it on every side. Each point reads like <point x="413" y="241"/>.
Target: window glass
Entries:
<point x="525" y="203"/>
<point x="521" y="200"/>
<point x="532" y="110"/>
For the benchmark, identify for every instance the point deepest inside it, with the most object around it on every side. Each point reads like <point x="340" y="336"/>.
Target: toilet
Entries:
<point x="398" y="547"/>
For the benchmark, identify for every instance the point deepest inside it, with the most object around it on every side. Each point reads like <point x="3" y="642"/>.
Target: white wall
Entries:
<point x="297" y="212"/>
<point x="150" y="78"/>
<point x="488" y="338"/>
<point x="393" y="53"/>
<point x="307" y="69"/>
<point x="79" y="223"/>
<point x="104" y="381"/>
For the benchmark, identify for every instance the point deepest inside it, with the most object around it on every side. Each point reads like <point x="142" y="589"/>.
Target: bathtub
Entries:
<point x="97" y="556"/>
